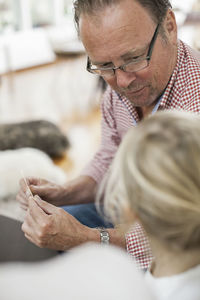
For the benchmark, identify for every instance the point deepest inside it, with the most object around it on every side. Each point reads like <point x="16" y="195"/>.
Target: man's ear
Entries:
<point x="170" y="26"/>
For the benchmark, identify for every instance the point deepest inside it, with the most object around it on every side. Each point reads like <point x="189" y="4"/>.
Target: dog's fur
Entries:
<point x="32" y="162"/>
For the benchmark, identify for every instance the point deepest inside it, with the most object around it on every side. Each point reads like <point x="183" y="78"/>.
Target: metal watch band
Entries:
<point x="104" y="236"/>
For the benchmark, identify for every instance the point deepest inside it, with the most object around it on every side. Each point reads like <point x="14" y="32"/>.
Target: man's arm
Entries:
<point x="110" y="139"/>
<point x="78" y="191"/>
<point x="48" y="226"/>
<point x="51" y="227"/>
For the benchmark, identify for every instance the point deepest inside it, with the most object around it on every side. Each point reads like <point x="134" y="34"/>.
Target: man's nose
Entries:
<point x="124" y="78"/>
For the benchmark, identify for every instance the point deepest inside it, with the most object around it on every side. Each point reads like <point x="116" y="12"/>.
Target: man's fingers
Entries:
<point x="29" y="237"/>
<point x="37" y="189"/>
<point x="37" y="222"/>
<point x="21" y="198"/>
<point x="33" y="180"/>
<point x="23" y="192"/>
<point x="22" y="184"/>
<point x="45" y="206"/>
<point x="35" y="211"/>
<point x="28" y="232"/>
<point x="28" y="225"/>
<point x="23" y="206"/>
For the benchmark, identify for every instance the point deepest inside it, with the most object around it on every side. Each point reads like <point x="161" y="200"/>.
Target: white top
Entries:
<point x="90" y="272"/>
<point x="184" y="286"/>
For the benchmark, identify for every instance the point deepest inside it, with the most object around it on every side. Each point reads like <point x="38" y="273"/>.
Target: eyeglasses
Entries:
<point x="135" y="65"/>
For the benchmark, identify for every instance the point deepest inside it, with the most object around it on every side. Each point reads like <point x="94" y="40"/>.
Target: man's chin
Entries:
<point x="137" y="97"/>
<point x="139" y="101"/>
<point x="140" y="98"/>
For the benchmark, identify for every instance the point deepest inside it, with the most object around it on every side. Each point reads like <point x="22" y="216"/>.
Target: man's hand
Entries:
<point x="51" y="227"/>
<point x="78" y="191"/>
<point x="49" y="191"/>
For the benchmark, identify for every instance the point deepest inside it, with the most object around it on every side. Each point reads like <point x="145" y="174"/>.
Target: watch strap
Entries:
<point x="104" y="236"/>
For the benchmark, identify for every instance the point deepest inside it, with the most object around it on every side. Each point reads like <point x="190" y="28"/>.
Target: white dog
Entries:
<point x="30" y="161"/>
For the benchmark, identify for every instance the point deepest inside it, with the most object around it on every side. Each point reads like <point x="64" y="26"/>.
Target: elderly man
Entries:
<point x="133" y="45"/>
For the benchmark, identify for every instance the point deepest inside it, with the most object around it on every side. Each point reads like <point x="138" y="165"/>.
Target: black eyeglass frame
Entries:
<point x="147" y="58"/>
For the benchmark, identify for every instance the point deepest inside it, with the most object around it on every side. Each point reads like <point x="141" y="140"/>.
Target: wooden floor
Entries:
<point x="62" y="92"/>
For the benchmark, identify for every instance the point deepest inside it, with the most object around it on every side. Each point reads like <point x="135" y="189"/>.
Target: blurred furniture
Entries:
<point x="15" y="247"/>
<point x="41" y="134"/>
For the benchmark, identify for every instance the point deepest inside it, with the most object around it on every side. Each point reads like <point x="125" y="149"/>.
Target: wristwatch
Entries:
<point x="104" y="236"/>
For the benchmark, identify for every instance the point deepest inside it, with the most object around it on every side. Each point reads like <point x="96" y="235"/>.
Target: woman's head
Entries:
<point x="156" y="176"/>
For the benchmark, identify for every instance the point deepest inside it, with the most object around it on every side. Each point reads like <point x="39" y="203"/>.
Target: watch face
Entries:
<point x="104" y="237"/>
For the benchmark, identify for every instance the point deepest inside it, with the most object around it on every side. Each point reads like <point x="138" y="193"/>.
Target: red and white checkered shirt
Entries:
<point x="118" y="115"/>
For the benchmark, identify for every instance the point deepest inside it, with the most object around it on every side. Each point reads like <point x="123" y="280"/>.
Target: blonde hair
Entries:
<point x="156" y="175"/>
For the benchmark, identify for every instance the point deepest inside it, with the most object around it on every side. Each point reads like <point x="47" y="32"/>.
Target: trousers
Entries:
<point x="87" y="215"/>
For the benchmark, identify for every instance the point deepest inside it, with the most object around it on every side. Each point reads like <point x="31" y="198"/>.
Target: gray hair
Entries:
<point x="156" y="176"/>
<point x="156" y="8"/>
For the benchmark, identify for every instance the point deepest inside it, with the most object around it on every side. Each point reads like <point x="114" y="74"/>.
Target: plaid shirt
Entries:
<point x="118" y="115"/>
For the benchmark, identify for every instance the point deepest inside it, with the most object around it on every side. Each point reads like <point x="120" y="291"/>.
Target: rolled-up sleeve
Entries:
<point x="110" y="140"/>
<point x="138" y="246"/>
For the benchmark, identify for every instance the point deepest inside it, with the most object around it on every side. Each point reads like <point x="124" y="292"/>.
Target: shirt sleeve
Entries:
<point x="138" y="246"/>
<point x="110" y="140"/>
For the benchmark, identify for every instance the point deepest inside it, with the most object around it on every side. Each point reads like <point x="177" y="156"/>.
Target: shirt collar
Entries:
<point x="163" y="101"/>
<point x="180" y="56"/>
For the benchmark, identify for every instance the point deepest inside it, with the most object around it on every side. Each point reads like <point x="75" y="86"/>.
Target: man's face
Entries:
<point x="122" y="32"/>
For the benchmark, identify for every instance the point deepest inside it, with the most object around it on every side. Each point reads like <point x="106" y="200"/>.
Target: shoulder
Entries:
<point x="188" y="79"/>
<point x="182" y="286"/>
<point x="189" y="52"/>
